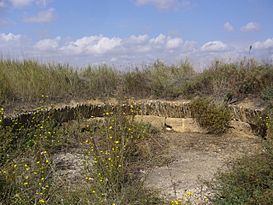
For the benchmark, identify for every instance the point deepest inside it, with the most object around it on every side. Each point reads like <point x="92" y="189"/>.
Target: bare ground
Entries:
<point x="196" y="156"/>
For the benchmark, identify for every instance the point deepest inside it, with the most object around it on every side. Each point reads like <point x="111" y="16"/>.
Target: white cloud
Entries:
<point x="131" y="50"/>
<point x="250" y="27"/>
<point x="214" y="46"/>
<point x="80" y="45"/>
<point x="105" y="45"/>
<point x="92" y="45"/>
<point x="41" y="17"/>
<point x="9" y="37"/>
<point x="135" y="43"/>
<point x="10" y="44"/>
<point x="228" y="27"/>
<point x="21" y="3"/>
<point x="164" y="4"/>
<point x="174" y="43"/>
<point x="47" y="44"/>
<point x="264" y="44"/>
<point x="159" y="40"/>
<point x="190" y="45"/>
<point x="138" y="39"/>
<point x="142" y="43"/>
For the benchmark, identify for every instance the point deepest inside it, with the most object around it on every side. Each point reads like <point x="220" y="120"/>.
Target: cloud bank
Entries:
<point x="134" y="49"/>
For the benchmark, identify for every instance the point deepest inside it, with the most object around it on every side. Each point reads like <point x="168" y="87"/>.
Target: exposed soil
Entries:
<point x="196" y="157"/>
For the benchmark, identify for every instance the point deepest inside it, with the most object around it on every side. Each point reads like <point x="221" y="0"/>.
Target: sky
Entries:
<point x="132" y="32"/>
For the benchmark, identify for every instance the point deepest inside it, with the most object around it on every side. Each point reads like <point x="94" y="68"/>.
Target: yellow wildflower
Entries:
<point x="42" y="201"/>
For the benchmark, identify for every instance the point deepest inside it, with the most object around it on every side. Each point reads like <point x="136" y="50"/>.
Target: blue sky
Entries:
<point x="135" y="31"/>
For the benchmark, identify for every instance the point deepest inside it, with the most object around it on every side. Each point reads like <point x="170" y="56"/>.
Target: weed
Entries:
<point x="26" y="163"/>
<point x="115" y="148"/>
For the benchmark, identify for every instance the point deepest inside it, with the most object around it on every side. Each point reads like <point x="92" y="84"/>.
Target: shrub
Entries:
<point x="118" y="154"/>
<point x="137" y="83"/>
<point x="262" y="124"/>
<point x="168" y="81"/>
<point x="237" y="79"/>
<point x="267" y="94"/>
<point x="201" y="85"/>
<point x="23" y="170"/>
<point x="248" y="180"/>
<point x="214" y="117"/>
<point x="114" y="146"/>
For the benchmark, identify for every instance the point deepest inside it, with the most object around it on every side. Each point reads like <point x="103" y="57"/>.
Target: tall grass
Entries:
<point x="168" y="81"/>
<point x="235" y="79"/>
<point x="28" y="81"/>
<point x="101" y="81"/>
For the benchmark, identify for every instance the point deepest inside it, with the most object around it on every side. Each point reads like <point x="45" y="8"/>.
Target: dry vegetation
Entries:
<point x="112" y="153"/>
<point x="118" y="147"/>
<point x="29" y="81"/>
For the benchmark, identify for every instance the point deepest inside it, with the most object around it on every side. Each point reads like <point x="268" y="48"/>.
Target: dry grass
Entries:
<point x="29" y="81"/>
